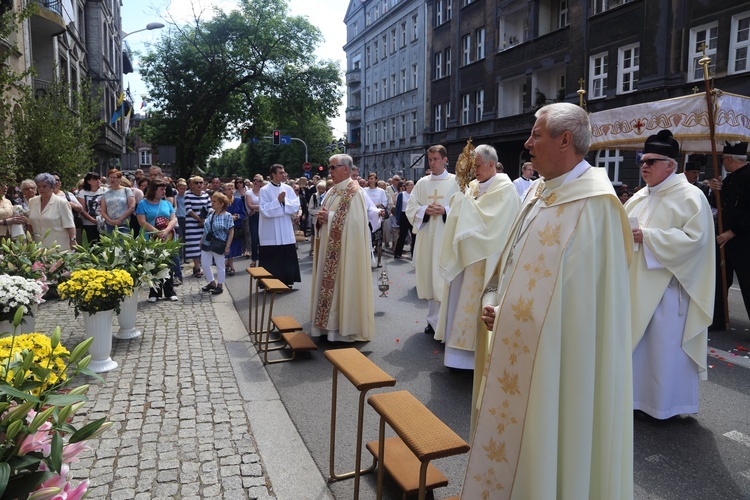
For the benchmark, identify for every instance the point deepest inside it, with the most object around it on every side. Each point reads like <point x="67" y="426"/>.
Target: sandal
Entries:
<point x="230" y="272"/>
<point x="253" y="264"/>
<point x="197" y="273"/>
<point x="217" y="290"/>
<point x="209" y="287"/>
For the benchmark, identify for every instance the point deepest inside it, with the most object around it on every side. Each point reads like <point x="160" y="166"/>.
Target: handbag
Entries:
<point x="212" y="244"/>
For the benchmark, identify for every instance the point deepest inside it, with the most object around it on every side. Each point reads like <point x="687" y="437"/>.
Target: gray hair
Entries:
<point x="564" y="116"/>
<point x="321" y="184"/>
<point x="45" y="178"/>
<point x="343" y="159"/>
<point x="28" y="182"/>
<point x="487" y="152"/>
<point x="736" y="157"/>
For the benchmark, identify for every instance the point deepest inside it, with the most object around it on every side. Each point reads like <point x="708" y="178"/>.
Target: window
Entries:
<point x="368" y="96"/>
<point x="610" y="159"/>
<point x="393" y="41"/>
<point x="369" y="131"/>
<point x="628" y="64"/>
<point x="414" y="76"/>
<point x="438" y="12"/>
<point x="479" y="105"/>
<point x="413" y="123"/>
<point x="375" y="94"/>
<point x="403" y="126"/>
<point x="602" y="5"/>
<point x="403" y="80"/>
<point x="448" y="10"/>
<point x="438" y="65"/>
<point x="393" y="129"/>
<point x="375" y="47"/>
<point x="448" y="61"/>
<point x="383" y="125"/>
<point x="394" y="90"/>
<point x="480" y="34"/>
<point x="377" y="133"/>
<point x="368" y="57"/>
<point x="415" y="28"/>
<point x="438" y="117"/>
<point x="145" y="157"/>
<point x="403" y="34"/>
<point x="706" y="34"/>
<point x="466" y="44"/>
<point x="739" y="42"/>
<point x="385" y="47"/>
<point x="384" y="89"/>
<point x="562" y="16"/>
<point x="466" y="2"/>
<point x="598" y="75"/>
<point x="465" y="108"/>
<point x="447" y="112"/>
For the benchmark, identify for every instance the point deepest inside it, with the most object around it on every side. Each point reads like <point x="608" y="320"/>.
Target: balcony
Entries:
<point x="546" y="46"/>
<point x="47" y="21"/>
<point x="354" y="76"/>
<point x="353" y="114"/>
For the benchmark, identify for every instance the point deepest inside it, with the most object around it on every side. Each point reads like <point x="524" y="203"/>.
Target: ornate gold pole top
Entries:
<point x="581" y="92"/>
<point x="704" y="61"/>
<point x="466" y="166"/>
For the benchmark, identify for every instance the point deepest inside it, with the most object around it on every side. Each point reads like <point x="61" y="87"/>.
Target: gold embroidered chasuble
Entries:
<point x="678" y="228"/>
<point x="555" y="419"/>
<point x="346" y="294"/>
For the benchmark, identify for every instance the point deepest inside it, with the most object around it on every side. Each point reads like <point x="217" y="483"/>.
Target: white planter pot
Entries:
<point x="127" y="318"/>
<point x="99" y="326"/>
<point x="28" y="324"/>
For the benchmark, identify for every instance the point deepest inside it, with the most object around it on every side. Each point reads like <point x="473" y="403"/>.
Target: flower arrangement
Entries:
<point x="38" y="440"/>
<point x="29" y="259"/>
<point x="19" y="292"/>
<point x="147" y="261"/>
<point x="94" y="290"/>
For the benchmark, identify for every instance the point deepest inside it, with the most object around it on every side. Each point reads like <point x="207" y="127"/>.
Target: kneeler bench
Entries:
<point x="295" y="339"/>
<point x="364" y="375"/>
<point x="255" y="329"/>
<point x="421" y="437"/>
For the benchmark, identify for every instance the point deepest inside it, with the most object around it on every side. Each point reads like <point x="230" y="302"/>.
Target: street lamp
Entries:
<point x="149" y="27"/>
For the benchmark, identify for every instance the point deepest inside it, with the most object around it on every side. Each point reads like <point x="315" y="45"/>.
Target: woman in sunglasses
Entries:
<point x="197" y="203"/>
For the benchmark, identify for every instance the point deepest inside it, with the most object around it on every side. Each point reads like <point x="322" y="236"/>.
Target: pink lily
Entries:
<point x="41" y="440"/>
<point x="72" y="450"/>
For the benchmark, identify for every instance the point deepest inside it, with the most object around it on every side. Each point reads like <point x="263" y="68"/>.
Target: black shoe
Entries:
<point x="209" y="287"/>
<point x="429" y="330"/>
<point x="217" y="290"/>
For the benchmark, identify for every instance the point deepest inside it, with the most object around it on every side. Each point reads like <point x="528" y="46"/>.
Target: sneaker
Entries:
<point x="176" y="281"/>
<point x="174" y="298"/>
<point x="218" y="290"/>
<point x="152" y="299"/>
<point x="209" y="287"/>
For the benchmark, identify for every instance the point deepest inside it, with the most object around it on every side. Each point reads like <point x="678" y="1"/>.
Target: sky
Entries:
<point x="327" y="15"/>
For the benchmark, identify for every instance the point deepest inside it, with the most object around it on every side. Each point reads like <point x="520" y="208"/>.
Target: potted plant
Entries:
<point x="38" y="440"/>
<point x="97" y="293"/>
<point x="17" y="292"/>
<point x="26" y="258"/>
<point x="147" y="261"/>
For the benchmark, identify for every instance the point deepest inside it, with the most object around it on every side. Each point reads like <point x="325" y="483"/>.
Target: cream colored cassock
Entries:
<point x="426" y="255"/>
<point x="556" y="416"/>
<point x="475" y="234"/>
<point x="672" y="296"/>
<point x="352" y="316"/>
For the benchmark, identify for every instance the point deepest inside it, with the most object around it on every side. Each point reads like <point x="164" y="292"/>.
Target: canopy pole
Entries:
<point x="705" y="61"/>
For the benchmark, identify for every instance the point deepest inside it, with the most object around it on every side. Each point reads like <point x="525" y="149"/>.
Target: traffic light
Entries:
<point x="320" y="168"/>
<point x="276" y="137"/>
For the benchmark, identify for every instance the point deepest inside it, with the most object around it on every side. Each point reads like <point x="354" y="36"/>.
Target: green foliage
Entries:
<point x="242" y="69"/>
<point x="56" y="131"/>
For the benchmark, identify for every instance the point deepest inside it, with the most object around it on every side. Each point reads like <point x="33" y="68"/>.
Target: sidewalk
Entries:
<point x="195" y="413"/>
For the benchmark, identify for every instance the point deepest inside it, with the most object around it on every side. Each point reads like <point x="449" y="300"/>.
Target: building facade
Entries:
<point x="490" y="64"/>
<point x="385" y="78"/>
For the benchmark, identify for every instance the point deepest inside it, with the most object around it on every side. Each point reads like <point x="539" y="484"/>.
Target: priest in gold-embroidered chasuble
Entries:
<point x="475" y="234"/>
<point x="342" y="291"/>
<point x="555" y="418"/>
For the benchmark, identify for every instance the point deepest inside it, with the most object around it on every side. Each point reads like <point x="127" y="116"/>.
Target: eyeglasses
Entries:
<point x="331" y="167"/>
<point x="57" y="180"/>
<point x="651" y="161"/>
<point x="257" y="180"/>
<point x="198" y="182"/>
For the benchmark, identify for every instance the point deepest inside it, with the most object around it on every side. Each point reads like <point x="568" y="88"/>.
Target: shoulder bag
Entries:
<point x="211" y="243"/>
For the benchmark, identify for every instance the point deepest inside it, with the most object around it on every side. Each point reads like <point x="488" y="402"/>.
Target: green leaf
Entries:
<point x="64" y="399"/>
<point x="12" y="391"/>
<point x="4" y="476"/>
<point x="22" y="486"/>
<point x="55" y="455"/>
<point x="80" y="350"/>
<point x="39" y="419"/>
<point x="86" y="431"/>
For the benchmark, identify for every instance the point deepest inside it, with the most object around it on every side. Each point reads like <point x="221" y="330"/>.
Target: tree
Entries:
<point x="56" y="131"/>
<point x="236" y="70"/>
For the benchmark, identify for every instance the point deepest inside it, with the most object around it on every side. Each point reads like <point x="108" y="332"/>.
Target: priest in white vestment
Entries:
<point x="427" y="210"/>
<point x="342" y="301"/>
<point x="523" y="182"/>
<point x="278" y="247"/>
<point x="555" y="419"/>
<point x="475" y="233"/>
<point x="671" y="284"/>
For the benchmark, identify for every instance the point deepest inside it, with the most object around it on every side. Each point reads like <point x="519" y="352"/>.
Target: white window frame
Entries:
<point x="403" y="126"/>
<point x="376" y="88"/>
<point x="562" y="15"/>
<point x="739" y="44"/>
<point x="478" y="105"/>
<point x="447" y="113"/>
<point x="393" y="41"/>
<point x="627" y="78"/>
<point x="385" y="46"/>
<point x="413" y="123"/>
<point x="403" y="80"/>
<point x="438" y="65"/>
<point x="394" y="89"/>
<point x="393" y="129"/>
<point x="598" y="71"/>
<point x="368" y="134"/>
<point x="144" y="157"/>
<point x="415" y="27"/>
<point x="438" y="12"/>
<point x="465" y="108"/>
<point x="607" y="158"/>
<point x="368" y="96"/>
<point x="403" y="34"/>
<point x="414" y="75"/>
<point x="438" y="117"/>
<point x="384" y="90"/>
<point x="466" y="50"/>
<point x="385" y="138"/>
<point x="448" y="10"/>
<point x="481" y="36"/>
<point x="695" y="70"/>
<point x="448" y="57"/>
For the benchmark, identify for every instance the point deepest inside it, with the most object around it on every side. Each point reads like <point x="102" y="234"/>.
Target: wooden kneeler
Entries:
<point x="364" y="375"/>
<point x="296" y="340"/>
<point x="255" y="329"/>
<point x="421" y="437"/>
